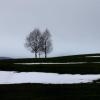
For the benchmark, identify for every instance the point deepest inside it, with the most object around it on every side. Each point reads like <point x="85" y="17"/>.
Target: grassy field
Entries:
<point x="88" y="68"/>
<point x="84" y="68"/>
<point x="50" y="92"/>
<point x="73" y="58"/>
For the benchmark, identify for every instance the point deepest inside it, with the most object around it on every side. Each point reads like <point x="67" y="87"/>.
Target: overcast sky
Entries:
<point x="74" y="25"/>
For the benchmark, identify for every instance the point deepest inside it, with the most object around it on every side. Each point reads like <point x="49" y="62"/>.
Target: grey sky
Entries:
<point x="74" y="25"/>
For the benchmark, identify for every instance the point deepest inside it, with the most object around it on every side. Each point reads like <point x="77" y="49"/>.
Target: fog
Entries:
<point x="74" y="25"/>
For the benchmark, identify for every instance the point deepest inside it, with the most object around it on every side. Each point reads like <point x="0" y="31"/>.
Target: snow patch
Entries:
<point x="93" y="56"/>
<point x="45" y="78"/>
<point x="50" y="63"/>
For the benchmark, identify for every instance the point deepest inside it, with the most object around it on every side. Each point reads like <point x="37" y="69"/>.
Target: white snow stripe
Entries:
<point x="53" y="63"/>
<point x="44" y="78"/>
<point x="50" y="63"/>
<point x="93" y="56"/>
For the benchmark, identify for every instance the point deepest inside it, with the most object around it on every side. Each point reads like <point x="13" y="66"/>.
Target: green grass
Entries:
<point x="50" y="92"/>
<point x="88" y="68"/>
<point x="85" y="68"/>
<point x="73" y="58"/>
<point x="89" y="91"/>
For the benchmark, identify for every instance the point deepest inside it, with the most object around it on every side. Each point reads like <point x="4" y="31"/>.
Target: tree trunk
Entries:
<point x="45" y="51"/>
<point x="45" y="54"/>
<point x="39" y="55"/>
<point x="35" y="55"/>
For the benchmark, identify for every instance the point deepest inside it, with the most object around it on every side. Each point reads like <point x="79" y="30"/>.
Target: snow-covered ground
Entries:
<point x="93" y="56"/>
<point x="50" y="63"/>
<point x="45" y="78"/>
<point x="53" y="63"/>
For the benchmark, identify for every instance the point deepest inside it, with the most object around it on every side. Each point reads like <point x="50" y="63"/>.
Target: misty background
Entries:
<point x="74" y="25"/>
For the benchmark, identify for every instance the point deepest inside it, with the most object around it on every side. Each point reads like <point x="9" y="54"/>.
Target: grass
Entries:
<point x="53" y="91"/>
<point x="50" y="92"/>
<point x="86" y="68"/>
<point x="63" y="59"/>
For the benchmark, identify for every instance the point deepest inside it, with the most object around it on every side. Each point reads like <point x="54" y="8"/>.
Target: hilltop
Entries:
<point x="76" y="64"/>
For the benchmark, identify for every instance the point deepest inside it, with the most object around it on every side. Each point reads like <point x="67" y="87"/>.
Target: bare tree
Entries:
<point x="45" y="43"/>
<point x="40" y="52"/>
<point x="39" y="43"/>
<point x="33" y="40"/>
